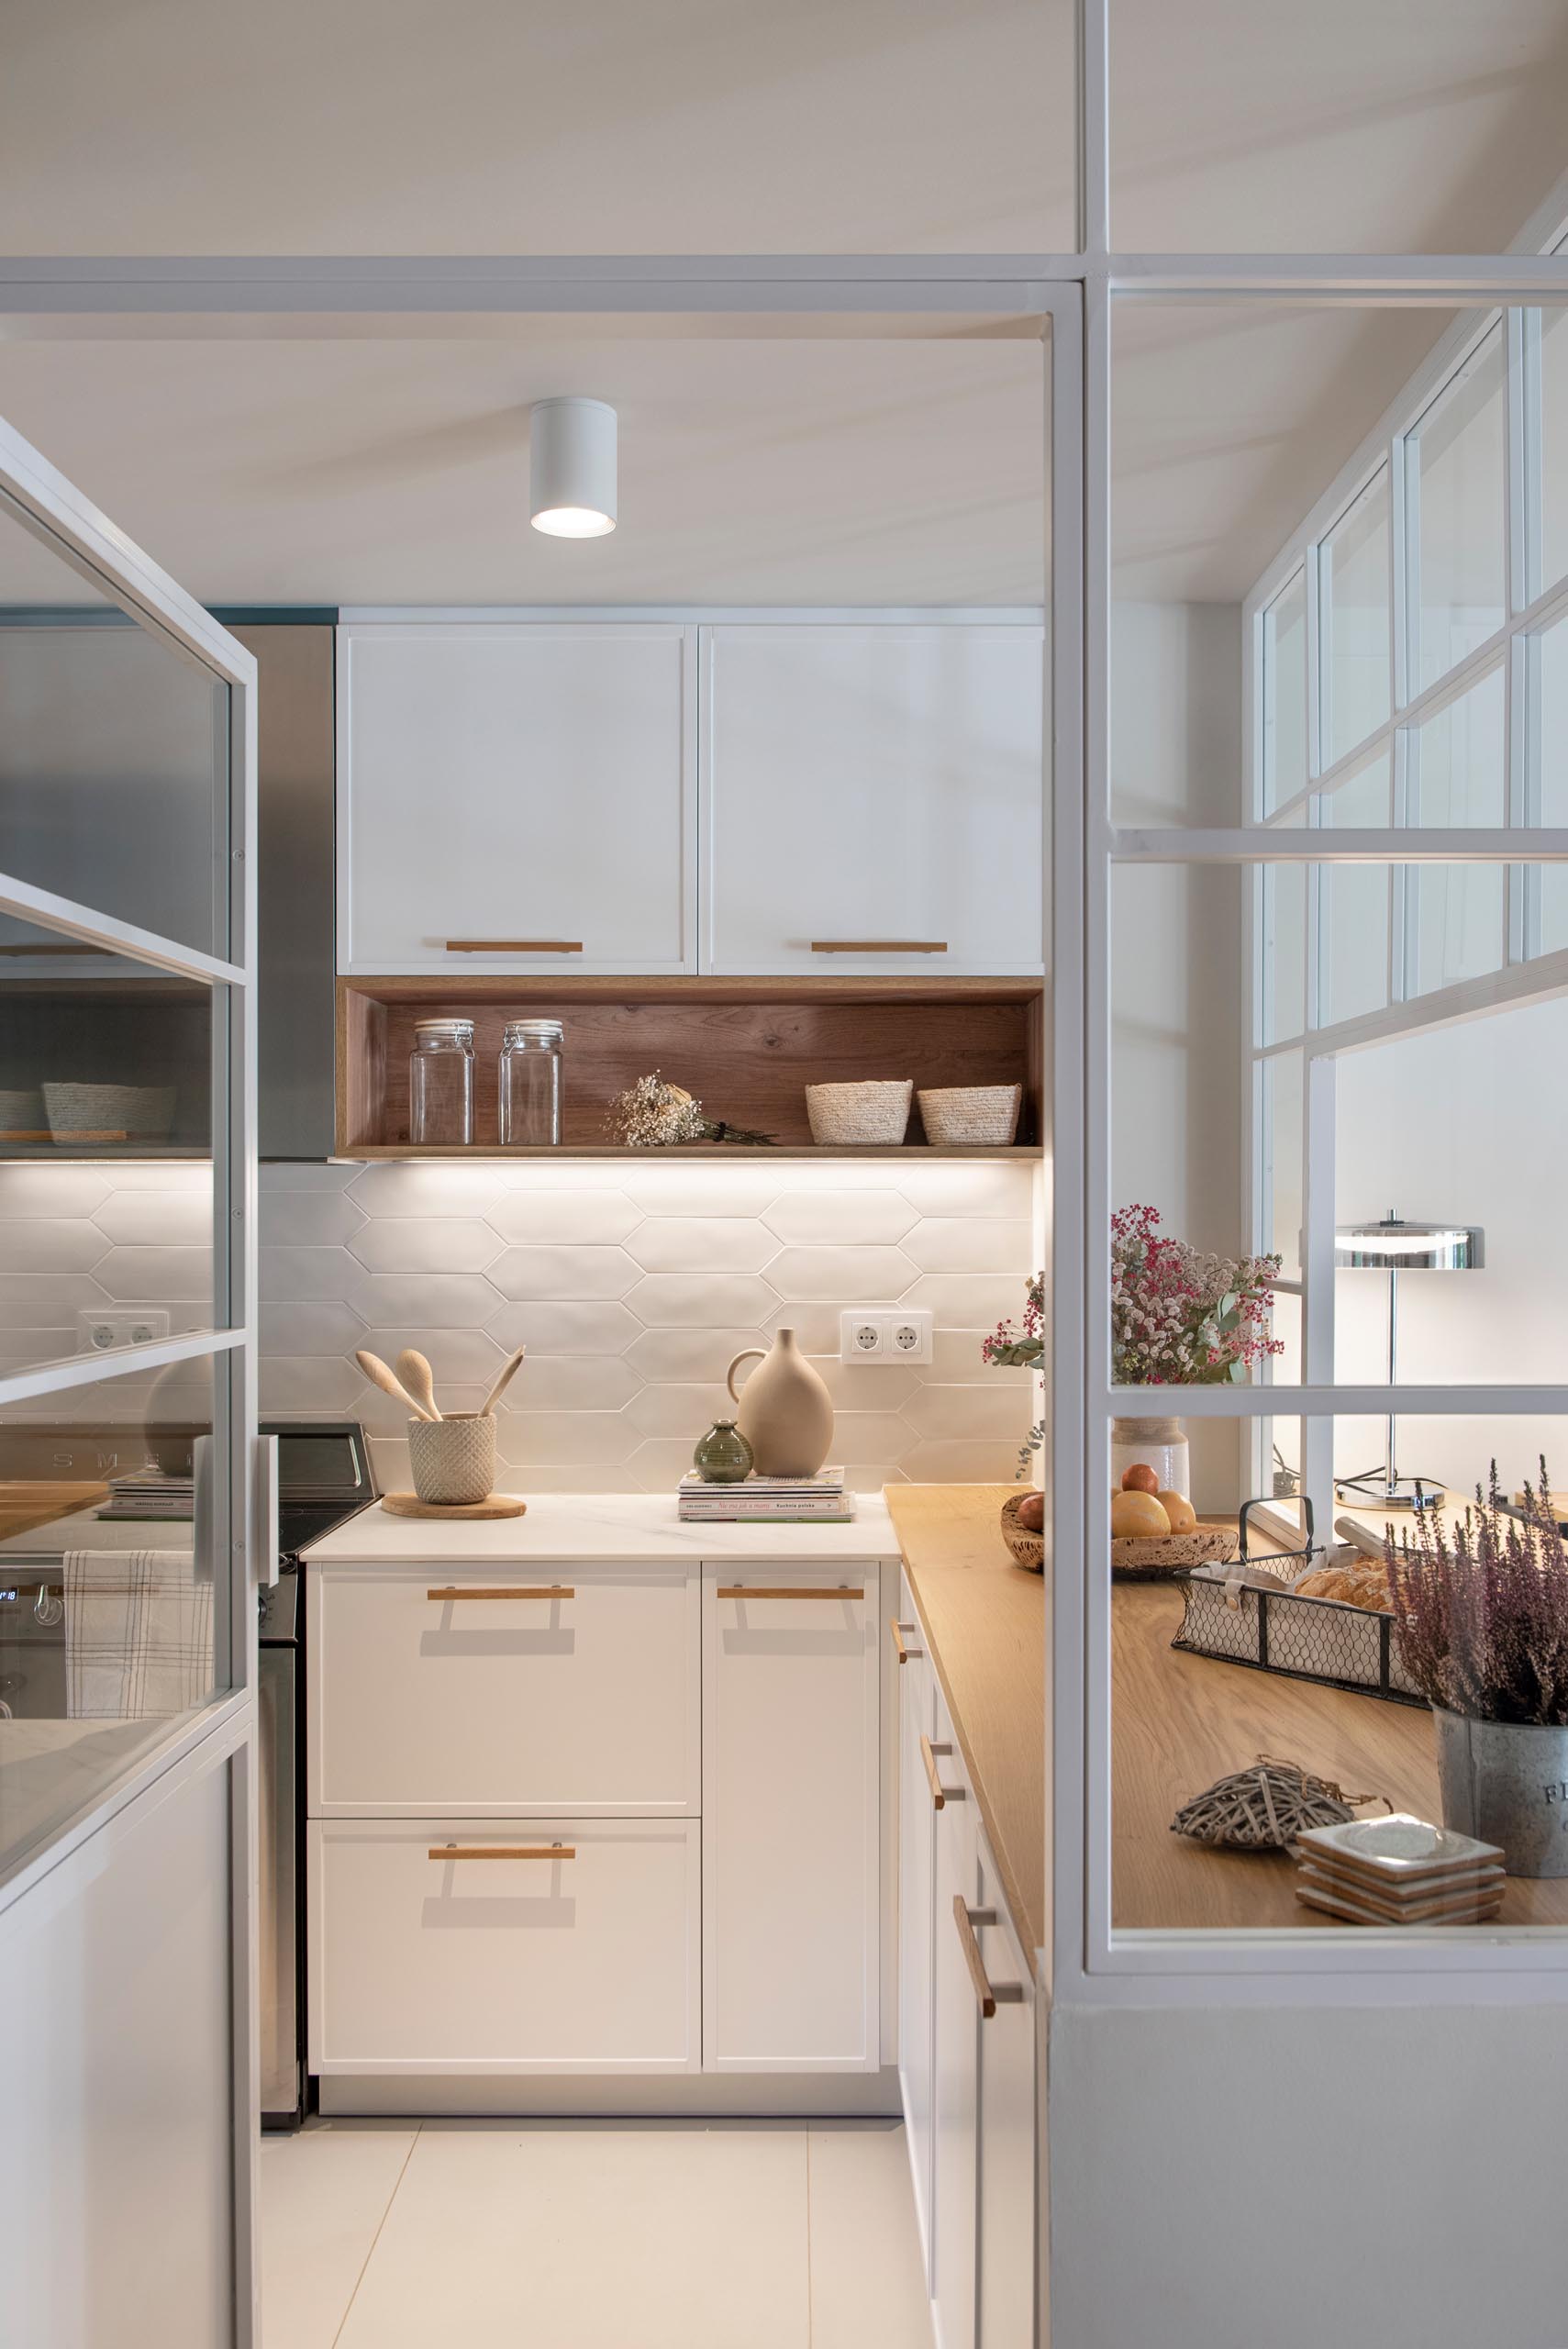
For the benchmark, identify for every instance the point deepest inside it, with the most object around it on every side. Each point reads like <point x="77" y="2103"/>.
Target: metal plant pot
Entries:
<point x="1507" y="1782"/>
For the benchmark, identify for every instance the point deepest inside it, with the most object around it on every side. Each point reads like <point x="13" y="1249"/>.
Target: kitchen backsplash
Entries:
<point x="631" y="1285"/>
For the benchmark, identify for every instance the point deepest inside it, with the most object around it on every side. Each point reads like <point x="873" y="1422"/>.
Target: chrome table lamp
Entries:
<point x="1395" y="1247"/>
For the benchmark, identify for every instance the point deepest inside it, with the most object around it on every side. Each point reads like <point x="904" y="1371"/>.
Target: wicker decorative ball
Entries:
<point x="1265" y="1809"/>
<point x="1028" y="1549"/>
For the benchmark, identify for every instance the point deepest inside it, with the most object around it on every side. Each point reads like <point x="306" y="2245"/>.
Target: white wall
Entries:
<point x="1292" y="2179"/>
<point x="1177" y="994"/>
<point x="1467" y="1123"/>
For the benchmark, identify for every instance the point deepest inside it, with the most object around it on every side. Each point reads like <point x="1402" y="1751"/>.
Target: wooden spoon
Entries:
<point x="376" y="1371"/>
<point x="508" y="1372"/>
<point x="417" y="1376"/>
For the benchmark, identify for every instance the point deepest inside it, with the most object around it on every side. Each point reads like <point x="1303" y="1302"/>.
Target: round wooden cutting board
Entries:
<point x="410" y="1505"/>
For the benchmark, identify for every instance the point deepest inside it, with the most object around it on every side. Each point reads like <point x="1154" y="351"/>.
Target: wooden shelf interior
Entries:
<point x="746" y="1048"/>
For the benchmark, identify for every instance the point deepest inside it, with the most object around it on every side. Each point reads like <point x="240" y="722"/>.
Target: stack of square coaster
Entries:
<point x="1399" y="1871"/>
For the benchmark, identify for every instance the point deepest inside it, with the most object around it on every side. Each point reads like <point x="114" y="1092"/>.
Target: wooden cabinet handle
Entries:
<point x="443" y="1592"/>
<point x="787" y="1590"/>
<point x="899" y="1650"/>
<point x="988" y="1995"/>
<point x="503" y="1852"/>
<point x="878" y="946"/>
<point x="513" y="946"/>
<point x="940" y="1796"/>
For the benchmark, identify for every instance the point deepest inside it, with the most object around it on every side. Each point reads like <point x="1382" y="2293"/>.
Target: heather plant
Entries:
<point x="1481" y="1608"/>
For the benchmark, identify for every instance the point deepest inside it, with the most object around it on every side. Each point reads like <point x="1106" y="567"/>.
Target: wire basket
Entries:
<point x="1249" y="1614"/>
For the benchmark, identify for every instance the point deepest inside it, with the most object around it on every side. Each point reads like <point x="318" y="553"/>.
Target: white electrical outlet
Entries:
<point x="129" y="1326"/>
<point x="883" y="1333"/>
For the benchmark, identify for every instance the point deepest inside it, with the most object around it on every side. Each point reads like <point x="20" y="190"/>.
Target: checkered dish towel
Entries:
<point x="138" y="1634"/>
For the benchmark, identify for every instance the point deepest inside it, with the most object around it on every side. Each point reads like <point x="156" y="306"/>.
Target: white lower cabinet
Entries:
<point x="449" y="1945"/>
<point x="955" y="2054"/>
<point x="791" y="1819"/>
<point x="967" y="2042"/>
<point x="509" y="1873"/>
<point x="917" y="1862"/>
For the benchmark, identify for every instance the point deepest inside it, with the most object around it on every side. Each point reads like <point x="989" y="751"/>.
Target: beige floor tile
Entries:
<point x="592" y="2236"/>
<point x="322" y="2194"/>
<point x="866" y="2281"/>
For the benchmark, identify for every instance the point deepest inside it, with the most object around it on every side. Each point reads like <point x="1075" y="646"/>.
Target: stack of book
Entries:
<point x="149" y="1495"/>
<point x="768" y="1501"/>
<point x="1399" y="1871"/>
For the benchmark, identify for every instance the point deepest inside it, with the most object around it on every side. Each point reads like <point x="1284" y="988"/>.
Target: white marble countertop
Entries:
<point x="605" y="1528"/>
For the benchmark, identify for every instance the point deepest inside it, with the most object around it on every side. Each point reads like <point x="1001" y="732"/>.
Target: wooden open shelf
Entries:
<point x="746" y="1048"/>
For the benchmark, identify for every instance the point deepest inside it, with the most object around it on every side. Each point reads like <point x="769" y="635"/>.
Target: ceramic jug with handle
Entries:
<point x="786" y="1411"/>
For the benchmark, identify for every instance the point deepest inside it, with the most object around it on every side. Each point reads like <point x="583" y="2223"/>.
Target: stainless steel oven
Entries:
<point x="324" y="1476"/>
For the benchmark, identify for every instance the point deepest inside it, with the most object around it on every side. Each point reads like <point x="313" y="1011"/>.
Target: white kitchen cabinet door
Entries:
<point x="578" y="1954"/>
<point x="485" y="1694"/>
<point x="866" y="783"/>
<point x="1008" y="2197"/>
<point x="530" y="786"/>
<point x="917" y="1862"/>
<point x="955" y="2061"/>
<point x="791" y="1817"/>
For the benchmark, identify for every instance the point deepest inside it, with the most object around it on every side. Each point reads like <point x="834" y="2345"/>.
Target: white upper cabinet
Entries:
<point x="531" y="787"/>
<point x="879" y="787"/>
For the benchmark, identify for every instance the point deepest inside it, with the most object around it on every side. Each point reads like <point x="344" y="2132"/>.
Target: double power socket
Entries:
<point x="883" y="1333"/>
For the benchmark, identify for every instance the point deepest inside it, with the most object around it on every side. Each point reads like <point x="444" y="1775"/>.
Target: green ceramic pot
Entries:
<point x="724" y="1456"/>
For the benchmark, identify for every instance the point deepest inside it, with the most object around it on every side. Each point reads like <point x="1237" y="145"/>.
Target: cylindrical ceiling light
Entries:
<point x="572" y="459"/>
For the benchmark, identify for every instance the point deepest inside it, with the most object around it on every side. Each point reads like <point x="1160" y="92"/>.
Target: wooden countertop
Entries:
<point x="1181" y="1721"/>
<point x="984" y="1624"/>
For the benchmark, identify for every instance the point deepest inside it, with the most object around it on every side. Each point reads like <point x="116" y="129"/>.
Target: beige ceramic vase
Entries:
<point x="785" y="1412"/>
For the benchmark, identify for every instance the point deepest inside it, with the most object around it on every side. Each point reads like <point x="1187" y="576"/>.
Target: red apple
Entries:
<point x="1140" y="1478"/>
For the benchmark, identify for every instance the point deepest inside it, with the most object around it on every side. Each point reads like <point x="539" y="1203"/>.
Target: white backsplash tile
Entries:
<point x="632" y="1286"/>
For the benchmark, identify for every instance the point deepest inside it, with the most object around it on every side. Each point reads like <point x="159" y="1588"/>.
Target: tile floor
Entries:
<point x="591" y="2235"/>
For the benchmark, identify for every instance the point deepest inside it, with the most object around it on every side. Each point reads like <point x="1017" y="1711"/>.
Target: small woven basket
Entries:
<point x="873" y="1112"/>
<point x="1028" y="1549"/>
<point x="953" y="1115"/>
<point x="453" y="1460"/>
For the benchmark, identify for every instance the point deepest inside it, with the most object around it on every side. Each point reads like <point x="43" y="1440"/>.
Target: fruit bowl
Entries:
<point x="1028" y="1549"/>
<point x="1147" y="1555"/>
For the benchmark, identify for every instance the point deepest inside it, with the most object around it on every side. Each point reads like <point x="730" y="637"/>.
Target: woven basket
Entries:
<point x="141" y="1112"/>
<point x="971" y="1113"/>
<point x="1028" y="1549"/>
<point x="453" y="1460"/>
<point x="1149" y="1555"/>
<point x="873" y="1112"/>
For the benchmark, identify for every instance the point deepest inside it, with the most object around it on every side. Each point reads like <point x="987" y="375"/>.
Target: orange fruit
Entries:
<point x="1140" y="1478"/>
<point x="1136" y="1516"/>
<point x="1180" y="1511"/>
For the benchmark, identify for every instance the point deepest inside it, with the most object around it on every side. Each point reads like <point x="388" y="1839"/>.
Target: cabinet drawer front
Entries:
<point x="791" y="1820"/>
<point x="502" y="1963"/>
<point x="566" y="1688"/>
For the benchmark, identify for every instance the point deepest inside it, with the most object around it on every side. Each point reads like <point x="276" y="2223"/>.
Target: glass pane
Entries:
<point x="1353" y="904"/>
<point x="1324" y="1660"/>
<point x="1284" y="951"/>
<point x="1461" y="464"/>
<point x="1554" y="446"/>
<point x="1284" y="696"/>
<point x="1550" y="656"/>
<point x="107" y="1205"/>
<point x="1355" y="574"/>
<point x="114" y="754"/>
<point x="1283" y="1076"/>
<point x="113" y="1624"/>
<point x="1456" y="911"/>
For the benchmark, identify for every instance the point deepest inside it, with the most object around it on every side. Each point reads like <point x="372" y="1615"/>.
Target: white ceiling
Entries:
<point x="754" y="469"/>
<point x="360" y="463"/>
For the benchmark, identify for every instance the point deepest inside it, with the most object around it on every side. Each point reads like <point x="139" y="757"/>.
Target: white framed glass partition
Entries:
<point x="127" y="1156"/>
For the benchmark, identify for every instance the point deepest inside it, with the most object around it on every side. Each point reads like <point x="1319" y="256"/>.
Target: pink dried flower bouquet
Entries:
<point x="1481" y="1608"/>
<point x="1182" y="1318"/>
